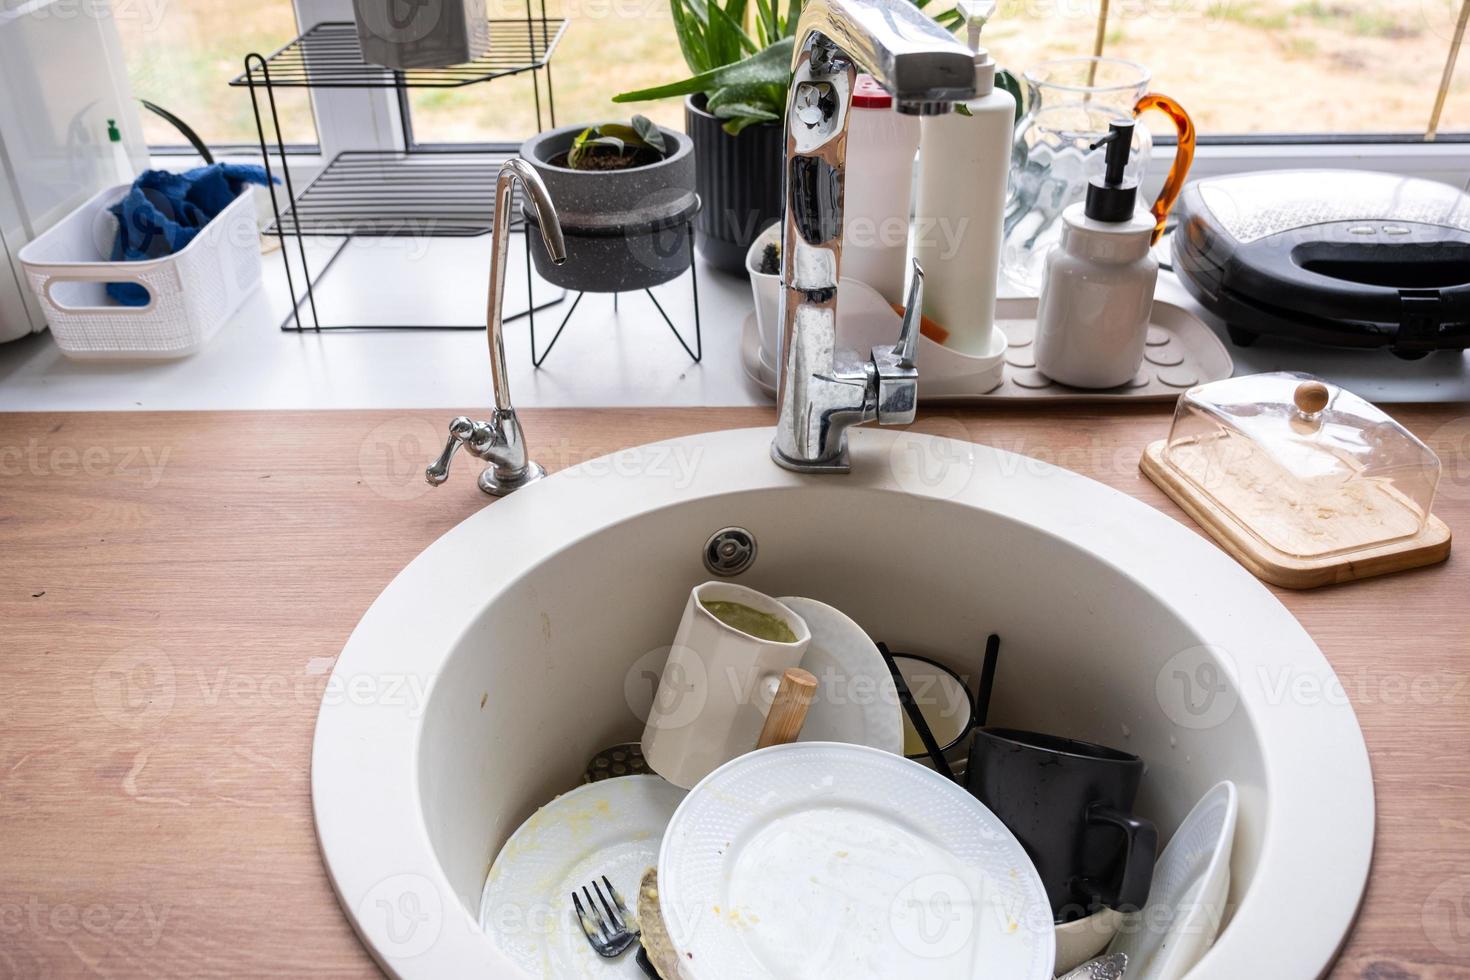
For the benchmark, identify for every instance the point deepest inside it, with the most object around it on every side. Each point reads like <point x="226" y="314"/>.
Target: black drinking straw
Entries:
<point x="906" y="699"/>
<point x="987" y="680"/>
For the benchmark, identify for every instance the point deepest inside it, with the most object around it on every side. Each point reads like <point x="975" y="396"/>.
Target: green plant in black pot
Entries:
<point x="616" y="146"/>
<point x="624" y="193"/>
<point x="734" y="102"/>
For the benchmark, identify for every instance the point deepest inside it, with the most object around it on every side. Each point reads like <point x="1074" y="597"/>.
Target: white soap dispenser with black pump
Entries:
<point x="1098" y="288"/>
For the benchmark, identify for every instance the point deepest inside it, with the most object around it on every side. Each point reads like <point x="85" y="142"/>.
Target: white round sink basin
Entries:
<point x="528" y="638"/>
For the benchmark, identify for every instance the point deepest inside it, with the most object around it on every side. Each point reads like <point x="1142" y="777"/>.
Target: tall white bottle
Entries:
<point x="881" y="145"/>
<point x="964" y="161"/>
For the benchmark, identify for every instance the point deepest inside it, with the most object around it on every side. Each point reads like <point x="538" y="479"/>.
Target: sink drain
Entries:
<point x="729" y="551"/>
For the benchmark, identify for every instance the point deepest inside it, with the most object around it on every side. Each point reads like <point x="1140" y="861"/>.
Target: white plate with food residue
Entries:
<point x="821" y="859"/>
<point x="611" y="828"/>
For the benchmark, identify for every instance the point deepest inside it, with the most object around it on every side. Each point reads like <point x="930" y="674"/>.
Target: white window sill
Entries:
<point x="1446" y="162"/>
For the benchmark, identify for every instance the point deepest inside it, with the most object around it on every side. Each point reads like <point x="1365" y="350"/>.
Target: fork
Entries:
<point x="607" y="928"/>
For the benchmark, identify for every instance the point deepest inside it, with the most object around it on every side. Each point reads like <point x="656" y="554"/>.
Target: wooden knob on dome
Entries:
<point x="1311" y="397"/>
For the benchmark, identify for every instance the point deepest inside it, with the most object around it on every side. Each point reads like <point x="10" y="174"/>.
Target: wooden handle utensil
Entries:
<point x="788" y="708"/>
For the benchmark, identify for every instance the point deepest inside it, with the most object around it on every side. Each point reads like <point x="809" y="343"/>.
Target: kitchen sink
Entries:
<point x="527" y="639"/>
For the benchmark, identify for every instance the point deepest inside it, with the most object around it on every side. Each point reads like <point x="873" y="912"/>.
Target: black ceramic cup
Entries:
<point x="1070" y="805"/>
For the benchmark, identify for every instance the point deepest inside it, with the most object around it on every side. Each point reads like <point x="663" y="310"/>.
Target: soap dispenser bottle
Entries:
<point x="1098" y="288"/>
<point x="122" y="164"/>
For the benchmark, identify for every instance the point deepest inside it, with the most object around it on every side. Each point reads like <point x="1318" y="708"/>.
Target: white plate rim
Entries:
<point x="1038" y="904"/>
<point x="1219" y="864"/>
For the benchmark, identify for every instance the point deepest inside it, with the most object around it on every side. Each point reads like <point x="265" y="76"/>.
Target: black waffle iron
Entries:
<point x="1344" y="258"/>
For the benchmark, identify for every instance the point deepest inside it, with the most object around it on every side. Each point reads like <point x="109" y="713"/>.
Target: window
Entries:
<point x="1309" y="67"/>
<point x="182" y="56"/>
<point x="610" y="46"/>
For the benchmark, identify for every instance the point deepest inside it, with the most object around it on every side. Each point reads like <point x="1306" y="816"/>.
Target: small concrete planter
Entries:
<point x="624" y="229"/>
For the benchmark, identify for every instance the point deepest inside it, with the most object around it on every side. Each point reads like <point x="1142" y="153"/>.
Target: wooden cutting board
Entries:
<point x="1428" y="546"/>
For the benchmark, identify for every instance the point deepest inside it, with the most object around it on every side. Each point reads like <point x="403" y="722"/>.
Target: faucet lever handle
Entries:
<point x="462" y="432"/>
<point x="894" y="374"/>
<point x="907" y="349"/>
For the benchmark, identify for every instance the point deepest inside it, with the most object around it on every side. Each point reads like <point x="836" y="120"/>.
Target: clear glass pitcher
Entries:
<point x="1069" y="104"/>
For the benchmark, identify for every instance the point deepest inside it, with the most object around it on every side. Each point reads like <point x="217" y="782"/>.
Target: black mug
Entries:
<point x="1070" y="805"/>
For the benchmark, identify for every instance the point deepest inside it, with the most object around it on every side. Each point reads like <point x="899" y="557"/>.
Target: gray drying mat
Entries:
<point x="1181" y="352"/>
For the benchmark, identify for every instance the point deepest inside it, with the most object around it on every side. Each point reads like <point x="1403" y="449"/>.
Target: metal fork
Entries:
<point x="607" y="928"/>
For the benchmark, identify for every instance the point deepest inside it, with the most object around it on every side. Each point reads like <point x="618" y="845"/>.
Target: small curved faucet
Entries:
<point x="501" y="442"/>
<point x="824" y="390"/>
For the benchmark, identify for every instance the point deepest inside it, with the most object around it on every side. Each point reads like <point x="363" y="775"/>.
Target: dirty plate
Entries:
<point x="1186" y="901"/>
<point x="855" y="700"/>
<point x="819" y="859"/>
<point x="612" y="828"/>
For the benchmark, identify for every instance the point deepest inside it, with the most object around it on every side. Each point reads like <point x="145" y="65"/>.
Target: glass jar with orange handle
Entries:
<point x="1069" y="105"/>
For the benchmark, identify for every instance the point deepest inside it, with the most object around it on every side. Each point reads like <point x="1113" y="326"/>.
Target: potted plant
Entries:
<point x="733" y="107"/>
<point x="624" y="193"/>
<point x="734" y="102"/>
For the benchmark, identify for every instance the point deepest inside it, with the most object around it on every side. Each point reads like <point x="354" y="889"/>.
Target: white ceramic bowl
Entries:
<point x="1081" y="939"/>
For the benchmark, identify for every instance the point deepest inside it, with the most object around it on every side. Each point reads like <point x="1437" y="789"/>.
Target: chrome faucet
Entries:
<point x="824" y="390"/>
<point x="501" y="442"/>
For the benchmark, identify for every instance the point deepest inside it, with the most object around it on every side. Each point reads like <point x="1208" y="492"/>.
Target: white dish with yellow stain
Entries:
<point x="611" y="828"/>
<point x="822" y="859"/>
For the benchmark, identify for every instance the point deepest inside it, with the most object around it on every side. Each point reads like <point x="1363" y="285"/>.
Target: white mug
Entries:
<point x="716" y="686"/>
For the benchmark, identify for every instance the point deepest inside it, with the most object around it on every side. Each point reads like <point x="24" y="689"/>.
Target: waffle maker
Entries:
<point x="1344" y="258"/>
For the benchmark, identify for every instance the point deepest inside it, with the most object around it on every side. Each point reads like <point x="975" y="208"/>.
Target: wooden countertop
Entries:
<point x="176" y="587"/>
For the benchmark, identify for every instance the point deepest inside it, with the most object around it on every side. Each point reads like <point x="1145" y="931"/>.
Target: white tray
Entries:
<point x="1182" y="352"/>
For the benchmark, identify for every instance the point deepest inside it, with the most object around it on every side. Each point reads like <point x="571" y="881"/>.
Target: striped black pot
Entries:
<point x="739" y="183"/>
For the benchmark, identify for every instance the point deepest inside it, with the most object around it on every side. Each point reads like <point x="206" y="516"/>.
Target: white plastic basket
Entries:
<point x="191" y="293"/>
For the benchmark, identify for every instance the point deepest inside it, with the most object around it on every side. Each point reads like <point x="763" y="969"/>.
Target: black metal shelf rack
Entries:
<point x="329" y="56"/>
<point x="394" y="194"/>
<point x="397" y="193"/>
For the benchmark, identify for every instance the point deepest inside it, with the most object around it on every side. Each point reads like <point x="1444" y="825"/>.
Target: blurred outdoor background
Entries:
<point x="1238" y="66"/>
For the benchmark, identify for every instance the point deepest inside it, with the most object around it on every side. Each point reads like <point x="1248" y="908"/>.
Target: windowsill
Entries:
<point x="607" y="358"/>
<point x="1444" y="161"/>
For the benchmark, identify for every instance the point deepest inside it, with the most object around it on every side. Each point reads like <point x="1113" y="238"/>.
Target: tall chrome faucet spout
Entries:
<point x="823" y="390"/>
<point x="512" y="170"/>
<point x="501" y="442"/>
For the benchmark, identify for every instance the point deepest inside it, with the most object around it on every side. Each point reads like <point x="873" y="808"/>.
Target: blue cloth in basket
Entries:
<point x="164" y="211"/>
